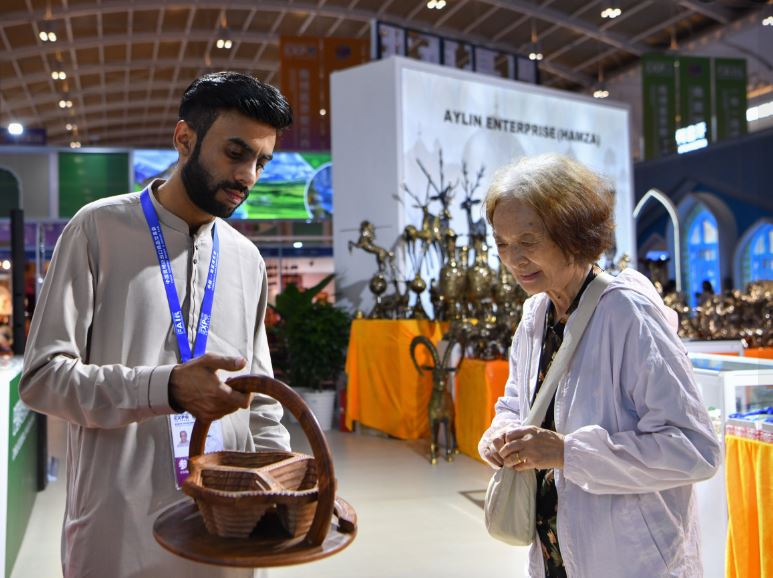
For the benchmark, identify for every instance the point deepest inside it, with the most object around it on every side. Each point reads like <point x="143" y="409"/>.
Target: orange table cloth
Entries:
<point x="384" y="391"/>
<point x="760" y="352"/>
<point x="478" y="386"/>
<point x="749" y="475"/>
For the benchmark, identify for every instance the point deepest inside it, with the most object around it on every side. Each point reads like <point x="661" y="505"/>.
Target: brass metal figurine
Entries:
<point x="441" y="403"/>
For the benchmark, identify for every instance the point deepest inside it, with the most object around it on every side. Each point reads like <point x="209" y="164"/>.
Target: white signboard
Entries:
<point x="491" y="123"/>
<point x="389" y="113"/>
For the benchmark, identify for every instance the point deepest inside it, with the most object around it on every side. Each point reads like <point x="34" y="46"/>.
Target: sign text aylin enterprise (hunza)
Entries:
<point x="520" y="127"/>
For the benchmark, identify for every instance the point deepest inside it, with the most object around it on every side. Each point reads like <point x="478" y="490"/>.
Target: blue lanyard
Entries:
<point x="200" y="345"/>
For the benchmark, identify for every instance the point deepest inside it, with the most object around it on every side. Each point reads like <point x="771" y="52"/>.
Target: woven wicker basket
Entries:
<point x="234" y="490"/>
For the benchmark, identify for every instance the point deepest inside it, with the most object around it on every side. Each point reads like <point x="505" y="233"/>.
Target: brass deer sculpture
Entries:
<point x="441" y="404"/>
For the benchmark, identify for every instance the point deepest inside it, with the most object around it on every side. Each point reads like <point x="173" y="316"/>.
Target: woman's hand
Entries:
<point x="491" y="450"/>
<point x="531" y="447"/>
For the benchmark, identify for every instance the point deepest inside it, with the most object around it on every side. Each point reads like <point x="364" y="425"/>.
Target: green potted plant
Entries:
<point x="315" y="335"/>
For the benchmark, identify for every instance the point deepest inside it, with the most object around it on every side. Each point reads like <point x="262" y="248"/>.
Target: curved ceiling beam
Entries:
<point x="112" y="6"/>
<point x="96" y="109"/>
<point x="627" y="14"/>
<point x="365" y="16"/>
<point x="114" y="88"/>
<point x="718" y="13"/>
<point x="123" y="40"/>
<point x="154" y="119"/>
<point x="245" y="63"/>
<point x="579" y="26"/>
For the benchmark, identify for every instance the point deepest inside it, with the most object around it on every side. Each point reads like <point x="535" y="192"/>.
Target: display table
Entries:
<point x="749" y="468"/>
<point x="760" y="352"/>
<point x="18" y="465"/>
<point x="384" y="391"/>
<point x="728" y="384"/>
<point x="478" y="386"/>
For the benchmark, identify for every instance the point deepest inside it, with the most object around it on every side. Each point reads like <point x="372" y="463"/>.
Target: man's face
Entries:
<point x="227" y="162"/>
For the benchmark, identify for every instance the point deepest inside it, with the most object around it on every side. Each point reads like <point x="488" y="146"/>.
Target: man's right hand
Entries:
<point x="195" y="387"/>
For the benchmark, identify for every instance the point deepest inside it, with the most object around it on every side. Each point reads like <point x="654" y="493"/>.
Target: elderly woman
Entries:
<point x="627" y="433"/>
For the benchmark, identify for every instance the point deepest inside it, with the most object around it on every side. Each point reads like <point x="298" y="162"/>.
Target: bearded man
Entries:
<point x="147" y="298"/>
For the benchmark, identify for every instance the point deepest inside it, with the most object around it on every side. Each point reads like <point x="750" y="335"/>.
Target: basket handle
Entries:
<point x="290" y="399"/>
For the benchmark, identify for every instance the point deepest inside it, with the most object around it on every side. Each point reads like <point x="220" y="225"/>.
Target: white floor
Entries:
<point x="414" y="519"/>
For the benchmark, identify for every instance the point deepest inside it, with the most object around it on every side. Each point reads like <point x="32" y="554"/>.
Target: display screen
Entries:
<point x="85" y="177"/>
<point x="293" y="185"/>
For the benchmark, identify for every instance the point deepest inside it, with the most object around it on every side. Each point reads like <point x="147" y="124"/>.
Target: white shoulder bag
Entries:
<point x="511" y="495"/>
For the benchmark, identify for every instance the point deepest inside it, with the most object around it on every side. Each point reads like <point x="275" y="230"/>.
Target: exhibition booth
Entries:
<point x="414" y="148"/>
<point x="440" y="132"/>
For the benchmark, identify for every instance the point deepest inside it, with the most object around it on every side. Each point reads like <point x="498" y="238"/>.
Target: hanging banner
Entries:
<point x="494" y="63"/>
<point x="299" y="65"/>
<point x="457" y="54"/>
<point x="695" y="92"/>
<point x="730" y="94"/>
<point x="390" y="40"/>
<point x="422" y="46"/>
<point x="658" y="104"/>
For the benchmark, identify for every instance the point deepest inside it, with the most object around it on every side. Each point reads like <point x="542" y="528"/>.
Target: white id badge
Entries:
<point x="180" y="428"/>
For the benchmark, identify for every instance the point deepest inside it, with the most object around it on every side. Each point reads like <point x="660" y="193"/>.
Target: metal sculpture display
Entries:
<point x="441" y="403"/>
<point x="732" y="315"/>
<point x="385" y="260"/>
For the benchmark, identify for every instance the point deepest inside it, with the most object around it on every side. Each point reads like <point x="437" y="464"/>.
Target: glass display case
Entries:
<point x="729" y="385"/>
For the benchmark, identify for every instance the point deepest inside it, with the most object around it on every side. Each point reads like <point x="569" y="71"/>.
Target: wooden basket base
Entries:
<point x="180" y="529"/>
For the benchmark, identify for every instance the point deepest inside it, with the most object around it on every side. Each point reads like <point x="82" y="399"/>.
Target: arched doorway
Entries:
<point x="754" y="257"/>
<point x="702" y="249"/>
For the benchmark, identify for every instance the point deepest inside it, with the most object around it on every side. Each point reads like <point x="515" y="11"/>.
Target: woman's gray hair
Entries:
<point x="575" y="204"/>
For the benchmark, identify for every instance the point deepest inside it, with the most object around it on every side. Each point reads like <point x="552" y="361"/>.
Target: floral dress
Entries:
<point x="547" y="496"/>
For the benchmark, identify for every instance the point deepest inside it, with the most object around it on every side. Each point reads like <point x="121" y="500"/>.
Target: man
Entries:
<point x="104" y="355"/>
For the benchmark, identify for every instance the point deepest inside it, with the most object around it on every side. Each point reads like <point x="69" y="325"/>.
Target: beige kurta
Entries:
<point x="99" y="355"/>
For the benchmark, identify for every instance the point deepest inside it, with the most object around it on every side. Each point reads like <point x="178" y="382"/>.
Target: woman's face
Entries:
<point x="526" y="249"/>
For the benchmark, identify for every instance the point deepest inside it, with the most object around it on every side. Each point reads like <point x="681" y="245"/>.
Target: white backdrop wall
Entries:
<point x="390" y="113"/>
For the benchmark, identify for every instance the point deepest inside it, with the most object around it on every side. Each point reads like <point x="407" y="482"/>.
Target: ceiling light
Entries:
<point x="65" y="103"/>
<point x="436" y="4"/>
<point x="601" y="86"/>
<point x="6" y="265"/>
<point x="322" y="112"/>
<point x="224" y="41"/>
<point x="75" y="144"/>
<point x="535" y="53"/>
<point x="767" y="21"/>
<point x="15" y="128"/>
<point x="68" y="126"/>
<point x="46" y="33"/>
<point x="59" y="75"/>
<point x="297" y="245"/>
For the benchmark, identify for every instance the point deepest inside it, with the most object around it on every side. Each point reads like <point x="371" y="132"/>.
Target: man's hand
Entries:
<point x="532" y="447"/>
<point x="195" y="387"/>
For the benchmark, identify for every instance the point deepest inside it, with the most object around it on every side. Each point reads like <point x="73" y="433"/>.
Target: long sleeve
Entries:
<point x="508" y="407"/>
<point x="673" y="442"/>
<point x="58" y="378"/>
<point x="265" y="412"/>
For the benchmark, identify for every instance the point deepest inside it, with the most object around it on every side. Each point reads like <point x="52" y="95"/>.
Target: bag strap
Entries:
<point x="560" y="364"/>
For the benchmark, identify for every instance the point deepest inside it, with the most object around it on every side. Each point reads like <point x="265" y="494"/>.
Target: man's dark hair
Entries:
<point x="213" y="93"/>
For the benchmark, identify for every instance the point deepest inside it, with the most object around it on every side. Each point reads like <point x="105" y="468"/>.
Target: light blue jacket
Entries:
<point x="637" y="436"/>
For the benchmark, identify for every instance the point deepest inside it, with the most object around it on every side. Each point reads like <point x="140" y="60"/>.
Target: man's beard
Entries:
<point x="197" y="181"/>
